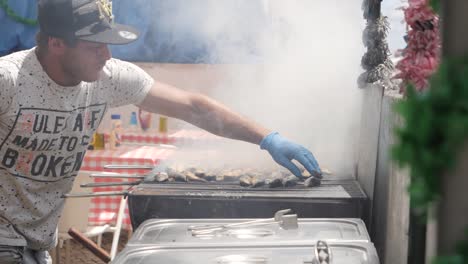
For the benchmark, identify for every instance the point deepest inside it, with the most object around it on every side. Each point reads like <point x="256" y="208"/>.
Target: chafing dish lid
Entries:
<point x="175" y="231"/>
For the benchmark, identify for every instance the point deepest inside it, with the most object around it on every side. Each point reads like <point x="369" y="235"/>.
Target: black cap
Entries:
<point x="90" y="20"/>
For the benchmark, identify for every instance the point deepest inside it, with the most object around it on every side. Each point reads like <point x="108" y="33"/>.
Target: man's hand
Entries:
<point x="284" y="151"/>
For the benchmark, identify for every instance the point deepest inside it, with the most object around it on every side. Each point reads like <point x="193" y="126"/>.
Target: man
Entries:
<point x="52" y="99"/>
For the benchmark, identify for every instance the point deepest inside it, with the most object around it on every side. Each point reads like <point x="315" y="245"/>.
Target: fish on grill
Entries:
<point x="312" y="182"/>
<point x="248" y="177"/>
<point x="161" y="177"/>
<point x="204" y="175"/>
<point x="257" y="182"/>
<point x="290" y="181"/>
<point x="245" y="181"/>
<point x="209" y="177"/>
<point x="192" y="177"/>
<point x="176" y="176"/>
<point x="236" y="173"/>
<point x="275" y="183"/>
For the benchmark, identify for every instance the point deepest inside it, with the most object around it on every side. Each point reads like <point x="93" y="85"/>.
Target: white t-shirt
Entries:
<point x="44" y="132"/>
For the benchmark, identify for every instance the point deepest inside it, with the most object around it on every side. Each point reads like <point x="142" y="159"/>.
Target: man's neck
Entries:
<point x="54" y="70"/>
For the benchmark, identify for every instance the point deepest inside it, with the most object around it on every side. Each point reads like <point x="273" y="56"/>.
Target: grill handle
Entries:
<point x="322" y="252"/>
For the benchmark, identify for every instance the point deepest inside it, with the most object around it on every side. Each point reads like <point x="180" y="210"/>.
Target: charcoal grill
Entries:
<point x="149" y="199"/>
<point x="333" y="199"/>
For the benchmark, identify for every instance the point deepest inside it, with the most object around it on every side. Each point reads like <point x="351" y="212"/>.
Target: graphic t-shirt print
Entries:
<point x="48" y="145"/>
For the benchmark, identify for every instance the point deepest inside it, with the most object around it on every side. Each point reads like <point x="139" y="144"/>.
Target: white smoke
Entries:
<point x="303" y="62"/>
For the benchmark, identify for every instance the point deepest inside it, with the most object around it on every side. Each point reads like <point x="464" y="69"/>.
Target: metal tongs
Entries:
<point x="285" y="221"/>
<point x="150" y="177"/>
<point x="154" y="172"/>
<point x="117" y="166"/>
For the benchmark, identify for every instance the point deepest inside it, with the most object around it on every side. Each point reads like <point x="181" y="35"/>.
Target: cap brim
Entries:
<point x="118" y="34"/>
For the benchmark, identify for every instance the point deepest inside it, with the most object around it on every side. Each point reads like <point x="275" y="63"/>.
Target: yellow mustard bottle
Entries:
<point x="115" y="133"/>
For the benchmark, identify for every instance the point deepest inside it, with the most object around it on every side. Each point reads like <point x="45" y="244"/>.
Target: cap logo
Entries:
<point x="105" y="10"/>
<point x="127" y="34"/>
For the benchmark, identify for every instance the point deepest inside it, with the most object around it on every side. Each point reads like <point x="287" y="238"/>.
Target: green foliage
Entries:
<point x="435" y="130"/>
<point x="14" y="16"/>
<point x="435" y="4"/>
<point x="460" y="257"/>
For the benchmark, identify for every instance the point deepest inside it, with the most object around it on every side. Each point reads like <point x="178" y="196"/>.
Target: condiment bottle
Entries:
<point x="115" y="133"/>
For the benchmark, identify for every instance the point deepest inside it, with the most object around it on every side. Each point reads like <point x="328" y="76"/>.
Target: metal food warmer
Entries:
<point x="321" y="252"/>
<point x="284" y="238"/>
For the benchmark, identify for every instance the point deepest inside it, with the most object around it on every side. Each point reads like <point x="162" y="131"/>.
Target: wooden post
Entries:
<point x="454" y="26"/>
<point x="453" y="207"/>
<point x="89" y="244"/>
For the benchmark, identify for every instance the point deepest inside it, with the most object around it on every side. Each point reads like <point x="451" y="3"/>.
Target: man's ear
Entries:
<point x="56" y="45"/>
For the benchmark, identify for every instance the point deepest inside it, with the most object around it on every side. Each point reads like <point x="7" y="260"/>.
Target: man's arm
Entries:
<point x="203" y="112"/>
<point x="212" y="116"/>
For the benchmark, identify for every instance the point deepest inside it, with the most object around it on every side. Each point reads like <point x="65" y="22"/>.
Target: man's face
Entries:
<point x="85" y="61"/>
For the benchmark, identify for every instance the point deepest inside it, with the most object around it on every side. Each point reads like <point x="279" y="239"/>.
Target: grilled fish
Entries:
<point x="290" y="181"/>
<point x="312" y="182"/>
<point x="245" y="181"/>
<point x="192" y="177"/>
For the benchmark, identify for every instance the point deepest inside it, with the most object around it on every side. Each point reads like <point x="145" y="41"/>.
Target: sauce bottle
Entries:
<point x="115" y="133"/>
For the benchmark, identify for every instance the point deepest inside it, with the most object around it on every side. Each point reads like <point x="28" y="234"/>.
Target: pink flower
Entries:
<point x="421" y="56"/>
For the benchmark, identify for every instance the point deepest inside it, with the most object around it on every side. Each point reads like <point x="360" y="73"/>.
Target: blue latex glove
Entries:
<point x="284" y="151"/>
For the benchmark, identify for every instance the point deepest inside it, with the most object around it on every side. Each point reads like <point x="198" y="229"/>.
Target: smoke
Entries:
<point x="293" y="67"/>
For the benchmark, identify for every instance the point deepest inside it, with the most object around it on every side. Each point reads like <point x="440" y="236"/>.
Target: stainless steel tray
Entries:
<point x="178" y="231"/>
<point x="340" y="253"/>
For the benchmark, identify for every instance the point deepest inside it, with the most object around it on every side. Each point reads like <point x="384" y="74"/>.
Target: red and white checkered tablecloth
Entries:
<point x="184" y="137"/>
<point x="104" y="208"/>
<point x="148" y="137"/>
